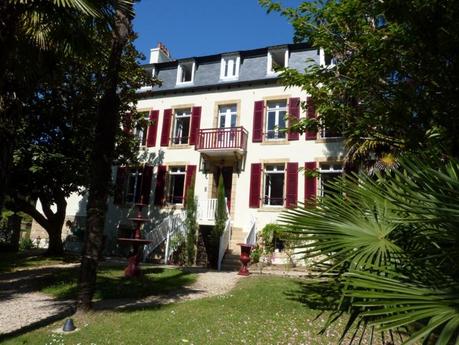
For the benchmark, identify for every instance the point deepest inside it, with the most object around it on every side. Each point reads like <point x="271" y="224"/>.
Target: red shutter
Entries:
<point x="120" y="182"/>
<point x="257" y="133"/>
<point x="255" y="185"/>
<point x="310" y="183"/>
<point x="294" y="116"/>
<point x="152" y="128"/>
<point x="195" y="124"/>
<point x="167" y="119"/>
<point x="160" y="185"/>
<point x="292" y="185"/>
<point x="146" y="183"/>
<point x="190" y="177"/>
<point x="310" y="114"/>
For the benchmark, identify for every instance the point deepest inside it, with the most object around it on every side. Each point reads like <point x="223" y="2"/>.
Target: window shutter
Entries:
<point x="310" y="114"/>
<point x="120" y="182"/>
<point x="152" y="128"/>
<point x="146" y="183"/>
<point x="190" y="177"/>
<point x="257" y="133"/>
<point x="255" y="185"/>
<point x="167" y="119"/>
<point x="294" y="116"/>
<point x="292" y="185"/>
<point x="310" y="183"/>
<point x="160" y="185"/>
<point x="195" y="124"/>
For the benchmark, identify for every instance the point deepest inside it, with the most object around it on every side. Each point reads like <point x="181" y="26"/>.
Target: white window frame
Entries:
<point x="278" y="111"/>
<point x="276" y="169"/>
<point x="228" y="114"/>
<point x="322" y="59"/>
<point x="269" y="65"/>
<point x="180" y="72"/>
<point x="141" y="133"/>
<point x="136" y="174"/>
<point x="328" y="168"/>
<point x="181" y="113"/>
<point x="175" y="171"/>
<point x="227" y="62"/>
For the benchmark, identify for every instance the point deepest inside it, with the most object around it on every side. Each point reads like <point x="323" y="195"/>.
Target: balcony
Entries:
<point x="222" y="141"/>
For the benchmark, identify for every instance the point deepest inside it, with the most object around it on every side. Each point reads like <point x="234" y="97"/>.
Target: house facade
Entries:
<point x="224" y="114"/>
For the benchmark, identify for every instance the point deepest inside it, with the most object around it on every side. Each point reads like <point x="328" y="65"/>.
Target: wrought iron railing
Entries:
<point x="222" y="138"/>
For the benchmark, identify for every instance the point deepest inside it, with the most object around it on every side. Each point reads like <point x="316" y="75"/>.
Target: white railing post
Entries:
<point x="166" y="253"/>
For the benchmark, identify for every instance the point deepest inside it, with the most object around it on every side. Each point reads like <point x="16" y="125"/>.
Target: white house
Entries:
<point x="225" y="114"/>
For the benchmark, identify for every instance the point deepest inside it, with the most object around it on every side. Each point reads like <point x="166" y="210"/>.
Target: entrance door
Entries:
<point x="227" y="173"/>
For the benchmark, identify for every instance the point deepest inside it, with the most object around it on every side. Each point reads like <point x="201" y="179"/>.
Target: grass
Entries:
<point x="111" y="283"/>
<point x="260" y="310"/>
<point x="10" y="262"/>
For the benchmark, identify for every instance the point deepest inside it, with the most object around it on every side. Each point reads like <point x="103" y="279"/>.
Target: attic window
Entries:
<point x="185" y="72"/>
<point x="326" y="59"/>
<point x="229" y="68"/>
<point x="277" y="59"/>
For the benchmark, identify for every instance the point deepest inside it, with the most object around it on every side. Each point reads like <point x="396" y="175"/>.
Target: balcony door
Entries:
<point x="227" y="119"/>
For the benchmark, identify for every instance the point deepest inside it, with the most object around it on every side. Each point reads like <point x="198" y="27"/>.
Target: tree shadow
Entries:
<point x="320" y="295"/>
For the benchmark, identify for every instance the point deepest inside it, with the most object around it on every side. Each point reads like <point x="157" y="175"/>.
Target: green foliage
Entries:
<point x="191" y="225"/>
<point x="393" y="86"/>
<point x="269" y="234"/>
<point x="25" y="244"/>
<point x="389" y="244"/>
<point x="220" y="213"/>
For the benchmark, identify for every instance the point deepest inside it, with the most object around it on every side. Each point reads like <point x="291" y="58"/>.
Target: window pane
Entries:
<point x="271" y="124"/>
<point x="176" y="188"/>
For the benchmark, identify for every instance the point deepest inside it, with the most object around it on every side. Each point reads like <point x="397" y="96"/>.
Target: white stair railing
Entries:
<point x="163" y="232"/>
<point x="224" y="239"/>
<point x="251" y="237"/>
<point x="206" y="210"/>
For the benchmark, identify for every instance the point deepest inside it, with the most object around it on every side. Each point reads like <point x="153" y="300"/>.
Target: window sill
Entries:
<point x="180" y="146"/>
<point x="275" y="142"/>
<point x="267" y="208"/>
<point x="186" y="83"/>
<point x="225" y="79"/>
<point x="329" y="140"/>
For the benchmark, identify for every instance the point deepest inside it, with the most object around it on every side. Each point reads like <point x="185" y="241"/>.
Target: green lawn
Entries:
<point x="260" y="310"/>
<point x="111" y="282"/>
<point x="10" y="262"/>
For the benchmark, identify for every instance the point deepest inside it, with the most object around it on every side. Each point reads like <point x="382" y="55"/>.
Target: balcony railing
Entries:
<point x="228" y="138"/>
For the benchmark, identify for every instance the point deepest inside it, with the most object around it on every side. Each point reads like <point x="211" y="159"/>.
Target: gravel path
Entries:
<point x="23" y="309"/>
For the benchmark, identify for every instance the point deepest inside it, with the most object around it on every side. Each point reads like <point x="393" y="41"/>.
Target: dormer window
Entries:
<point x="229" y="68"/>
<point x="277" y="58"/>
<point x="185" y="72"/>
<point x="326" y="60"/>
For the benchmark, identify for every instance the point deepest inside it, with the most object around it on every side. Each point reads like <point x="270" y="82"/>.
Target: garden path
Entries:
<point x="22" y="308"/>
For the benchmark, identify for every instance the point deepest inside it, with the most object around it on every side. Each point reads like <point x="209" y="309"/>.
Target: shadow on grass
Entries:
<point x="111" y="283"/>
<point x="321" y="295"/>
<point x="31" y="258"/>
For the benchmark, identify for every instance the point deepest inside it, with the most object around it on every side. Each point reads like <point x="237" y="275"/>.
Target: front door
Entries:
<point x="227" y="173"/>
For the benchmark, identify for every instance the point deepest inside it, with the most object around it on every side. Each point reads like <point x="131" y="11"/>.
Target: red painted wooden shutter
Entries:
<point x="310" y="183"/>
<point x="292" y="185"/>
<point x="160" y="185"/>
<point x="152" y="128"/>
<point x="255" y="185"/>
<point x="195" y="124"/>
<point x="146" y="183"/>
<point x="257" y="133"/>
<point x="167" y="119"/>
<point x="120" y="182"/>
<point x="190" y="177"/>
<point x="310" y="114"/>
<point x="294" y="116"/>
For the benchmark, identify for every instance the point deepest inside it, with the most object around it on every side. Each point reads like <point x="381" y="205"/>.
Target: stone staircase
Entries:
<point x="231" y="260"/>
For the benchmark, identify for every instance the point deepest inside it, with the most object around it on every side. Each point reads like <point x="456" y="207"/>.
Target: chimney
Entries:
<point x="159" y="54"/>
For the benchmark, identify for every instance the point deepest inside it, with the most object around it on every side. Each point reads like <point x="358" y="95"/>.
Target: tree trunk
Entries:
<point x="14" y="225"/>
<point x="55" y="245"/>
<point x="108" y="119"/>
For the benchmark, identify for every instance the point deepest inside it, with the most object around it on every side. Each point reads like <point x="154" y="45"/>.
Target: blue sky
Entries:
<point x="203" y="27"/>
